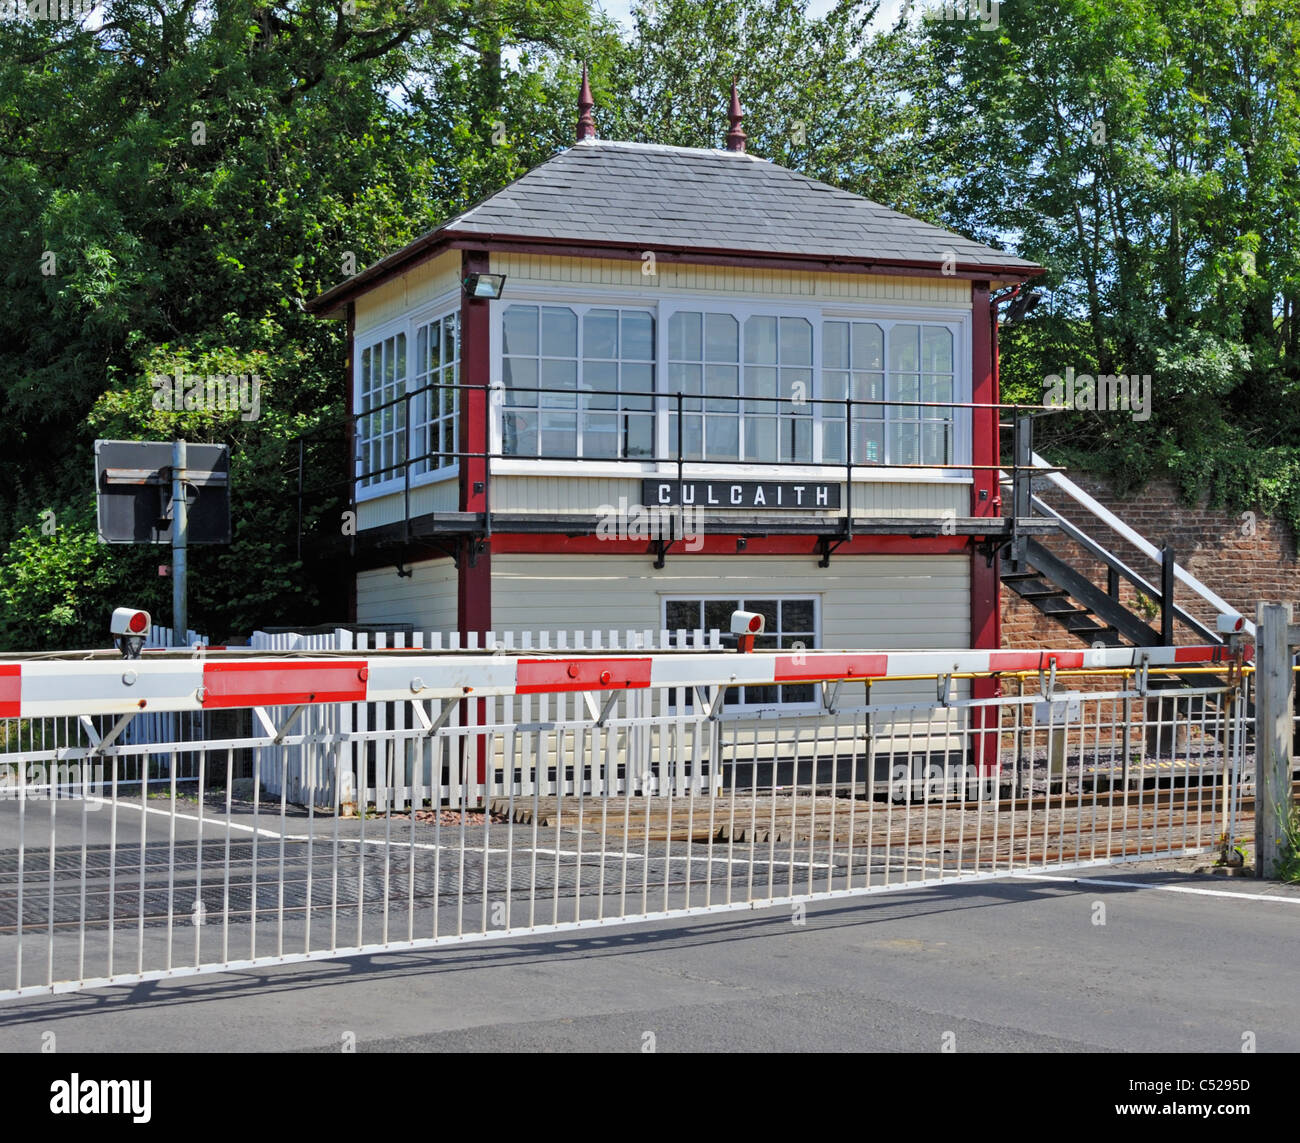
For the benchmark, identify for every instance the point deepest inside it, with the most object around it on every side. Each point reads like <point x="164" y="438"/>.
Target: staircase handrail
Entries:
<point x="1121" y="529"/>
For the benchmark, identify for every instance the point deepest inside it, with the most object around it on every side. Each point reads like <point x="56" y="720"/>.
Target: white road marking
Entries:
<point x="1163" y="888"/>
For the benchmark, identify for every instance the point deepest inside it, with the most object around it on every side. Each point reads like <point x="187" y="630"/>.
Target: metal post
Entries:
<point x="1274" y="699"/>
<point x="180" y="544"/>
<point x="1022" y="468"/>
<point x="1167" y="565"/>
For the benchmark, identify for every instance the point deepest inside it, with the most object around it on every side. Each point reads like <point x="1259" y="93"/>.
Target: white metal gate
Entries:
<point x="541" y="792"/>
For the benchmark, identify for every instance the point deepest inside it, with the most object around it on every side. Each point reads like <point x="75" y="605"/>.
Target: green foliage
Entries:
<point x="1288" y="867"/>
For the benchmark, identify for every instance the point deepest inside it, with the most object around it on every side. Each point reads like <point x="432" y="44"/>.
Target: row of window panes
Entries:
<point x="733" y="409"/>
<point x="381" y="425"/>
<point x="436" y="405"/>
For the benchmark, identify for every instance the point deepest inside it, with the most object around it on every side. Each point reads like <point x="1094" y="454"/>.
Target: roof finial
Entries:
<point x="586" y="124"/>
<point x="735" y="137"/>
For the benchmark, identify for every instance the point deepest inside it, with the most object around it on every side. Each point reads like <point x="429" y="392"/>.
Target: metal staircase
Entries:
<point x="1091" y="613"/>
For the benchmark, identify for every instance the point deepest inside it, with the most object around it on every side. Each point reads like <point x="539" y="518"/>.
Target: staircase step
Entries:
<point x="1054" y="593"/>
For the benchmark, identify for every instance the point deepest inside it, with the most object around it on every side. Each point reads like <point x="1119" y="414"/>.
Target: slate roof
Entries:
<point x="652" y="196"/>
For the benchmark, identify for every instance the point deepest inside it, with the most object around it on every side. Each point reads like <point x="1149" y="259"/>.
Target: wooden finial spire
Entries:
<point x="735" y="137"/>
<point x="586" y="124"/>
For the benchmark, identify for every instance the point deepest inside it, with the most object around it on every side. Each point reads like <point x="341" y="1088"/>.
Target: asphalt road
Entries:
<point x="1181" y="963"/>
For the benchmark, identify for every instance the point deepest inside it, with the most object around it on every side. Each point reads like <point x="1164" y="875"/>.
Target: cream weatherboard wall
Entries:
<point x="539" y="270"/>
<point x="426" y="600"/>
<point x="866" y="601"/>
<point x="407" y="292"/>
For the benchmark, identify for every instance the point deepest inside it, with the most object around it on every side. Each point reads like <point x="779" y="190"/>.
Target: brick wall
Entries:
<point x="1242" y="559"/>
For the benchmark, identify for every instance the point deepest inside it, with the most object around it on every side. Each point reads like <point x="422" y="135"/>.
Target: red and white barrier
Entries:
<point x="44" y="688"/>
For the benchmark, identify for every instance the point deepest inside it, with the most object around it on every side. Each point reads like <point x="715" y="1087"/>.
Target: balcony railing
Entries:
<point x="393" y="444"/>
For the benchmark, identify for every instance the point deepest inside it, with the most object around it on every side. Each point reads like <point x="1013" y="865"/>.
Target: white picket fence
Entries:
<point x="672" y="753"/>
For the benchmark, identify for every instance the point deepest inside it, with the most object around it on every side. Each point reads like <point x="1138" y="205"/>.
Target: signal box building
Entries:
<point x="643" y="386"/>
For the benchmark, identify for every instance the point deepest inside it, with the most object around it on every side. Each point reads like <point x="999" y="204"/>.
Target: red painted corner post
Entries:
<point x="985" y="581"/>
<point x="474" y="571"/>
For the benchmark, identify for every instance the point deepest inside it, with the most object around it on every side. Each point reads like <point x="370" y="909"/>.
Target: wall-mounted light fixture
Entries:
<point x="1021" y="305"/>
<point x="485" y="285"/>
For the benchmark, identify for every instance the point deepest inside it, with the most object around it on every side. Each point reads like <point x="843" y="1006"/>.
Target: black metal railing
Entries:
<point x="340" y="450"/>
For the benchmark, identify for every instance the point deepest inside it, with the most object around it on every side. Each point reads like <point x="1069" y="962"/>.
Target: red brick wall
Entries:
<point x="1242" y="559"/>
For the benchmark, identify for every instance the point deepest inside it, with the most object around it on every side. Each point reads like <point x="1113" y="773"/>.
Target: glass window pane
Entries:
<point x="833" y="434"/>
<point x="519" y="330"/>
<point x="907" y="387"/>
<point x="796" y="386"/>
<point x="692" y="438"/>
<point x="797" y="616"/>
<point x="638" y="383"/>
<point x="717" y="613"/>
<point x="684" y="378"/>
<point x="760" y="340"/>
<point x="868" y="346"/>
<point x="904" y="444"/>
<point x="640" y="435"/>
<point x="721" y="337"/>
<point x="797" y="440"/>
<point x="600" y="435"/>
<point x="519" y="434"/>
<point x="559" y="332"/>
<point x="422" y="349"/>
<point x="450" y="339"/>
<point x="684" y="339"/>
<point x="767" y="608"/>
<point x="721" y="380"/>
<point x="598" y="376"/>
<point x="561" y="375"/>
<point x="936" y="349"/>
<point x="934" y="443"/>
<point x="722" y="438"/>
<point x="638" y="336"/>
<point x="761" y="381"/>
<point x="868" y="442"/>
<point x="796" y="341"/>
<point x="903" y="351"/>
<point x="869" y="387"/>
<point x="760" y="438"/>
<point x="682" y="614"/>
<point x="600" y="333"/>
<point x="937" y="389"/>
<point x="802" y="692"/>
<point x="520" y="377"/>
<point x="835" y="345"/>
<point x="559" y="434"/>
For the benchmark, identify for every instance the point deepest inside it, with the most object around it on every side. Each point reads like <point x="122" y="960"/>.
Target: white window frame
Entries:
<point x="595" y="465"/>
<point x="885" y="314"/>
<point x="407" y="323"/>
<point x="712" y="597"/>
